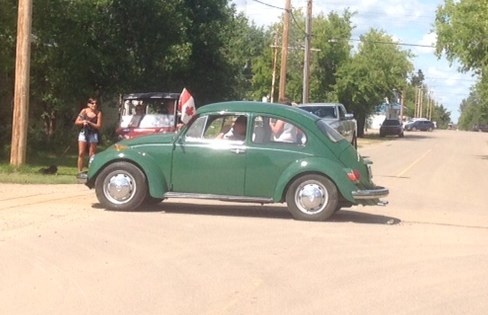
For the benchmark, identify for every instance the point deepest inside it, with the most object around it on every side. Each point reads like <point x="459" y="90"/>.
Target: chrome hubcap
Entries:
<point x="311" y="197"/>
<point x="119" y="188"/>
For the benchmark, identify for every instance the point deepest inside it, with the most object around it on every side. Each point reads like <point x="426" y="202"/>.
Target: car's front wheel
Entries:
<point x="312" y="198"/>
<point x="121" y="186"/>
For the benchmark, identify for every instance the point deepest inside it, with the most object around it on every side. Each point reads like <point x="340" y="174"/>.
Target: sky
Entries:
<point x="407" y="21"/>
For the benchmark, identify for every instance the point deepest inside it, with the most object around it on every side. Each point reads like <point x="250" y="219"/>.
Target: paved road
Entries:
<point x="424" y="253"/>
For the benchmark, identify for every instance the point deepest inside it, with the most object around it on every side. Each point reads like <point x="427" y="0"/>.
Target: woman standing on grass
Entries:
<point x="90" y="121"/>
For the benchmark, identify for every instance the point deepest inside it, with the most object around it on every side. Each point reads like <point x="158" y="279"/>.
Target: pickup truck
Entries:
<point x="336" y="116"/>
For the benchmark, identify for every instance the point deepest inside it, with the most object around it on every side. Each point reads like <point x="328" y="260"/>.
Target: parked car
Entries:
<point x="147" y="113"/>
<point x="315" y="175"/>
<point x="335" y="114"/>
<point x="391" y="127"/>
<point x="423" y="125"/>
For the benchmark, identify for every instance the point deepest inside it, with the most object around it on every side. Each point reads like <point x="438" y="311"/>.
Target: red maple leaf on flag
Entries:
<point x="186" y="106"/>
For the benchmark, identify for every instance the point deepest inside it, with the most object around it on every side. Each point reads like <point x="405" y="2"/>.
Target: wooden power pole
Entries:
<point x="21" y="91"/>
<point x="306" y="58"/>
<point x="284" y="51"/>
<point x="275" y="58"/>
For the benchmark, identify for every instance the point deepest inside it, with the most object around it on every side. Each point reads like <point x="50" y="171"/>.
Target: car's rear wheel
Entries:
<point x="312" y="198"/>
<point x="121" y="186"/>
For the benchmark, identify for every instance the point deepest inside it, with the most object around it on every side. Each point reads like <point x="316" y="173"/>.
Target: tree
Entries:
<point x="378" y="68"/>
<point x="331" y="37"/>
<point x="461" y="33"/>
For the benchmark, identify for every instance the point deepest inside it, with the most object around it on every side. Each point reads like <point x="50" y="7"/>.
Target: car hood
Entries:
<point x="149" y="139"/>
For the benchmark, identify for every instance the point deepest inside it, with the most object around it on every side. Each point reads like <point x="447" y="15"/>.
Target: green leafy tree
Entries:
<point x="374" y="72"/>
<point x="8" y="27"/>
<point x="474" y="109"/>
<point x="461" y="35"/>
<point x="331" y="36"/>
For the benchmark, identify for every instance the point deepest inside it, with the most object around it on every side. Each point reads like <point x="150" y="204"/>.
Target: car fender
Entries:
<point x="157" y="181"/>
<point x="327" y="167"/>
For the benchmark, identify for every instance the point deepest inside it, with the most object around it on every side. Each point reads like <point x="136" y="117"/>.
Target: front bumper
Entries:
<point x="82" y="177"/>
<point x="367" y="194"/>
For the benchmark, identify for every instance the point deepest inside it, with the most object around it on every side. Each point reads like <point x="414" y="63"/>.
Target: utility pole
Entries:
<point x="21" y="93"/>
<point x="306" y="58"/>
<point x="284" y="51"/>
<point x="421" y="110"/>
<point x="275" y="59"/>
<point x="402" y="101"/>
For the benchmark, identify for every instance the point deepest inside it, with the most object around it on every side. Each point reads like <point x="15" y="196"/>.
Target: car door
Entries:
<point x="203" y="164"/>
<point x="268" y="157"/>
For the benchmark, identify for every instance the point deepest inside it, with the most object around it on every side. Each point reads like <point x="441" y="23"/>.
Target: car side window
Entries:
<point x="217" y="128"/>
<point x="195" y="131"/>
<point x="267" y="129"/>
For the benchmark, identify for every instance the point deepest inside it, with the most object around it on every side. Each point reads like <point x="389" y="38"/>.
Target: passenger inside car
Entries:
<point x="237" y="131"/>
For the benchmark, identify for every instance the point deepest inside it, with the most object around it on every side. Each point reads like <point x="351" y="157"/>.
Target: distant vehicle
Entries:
<point x="480" y="128"/>
<point x="391" y="127"/>
<point x="157" y="116"/>
<point x="336" y="116"/>
<point x="316" y="175"/>
<point x="423" y="125"/>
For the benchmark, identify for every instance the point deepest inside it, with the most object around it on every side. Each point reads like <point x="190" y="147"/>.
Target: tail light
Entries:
<point x="354" y="176"/>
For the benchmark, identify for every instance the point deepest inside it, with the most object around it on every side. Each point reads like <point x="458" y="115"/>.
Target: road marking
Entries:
<point x="413" y="163"/>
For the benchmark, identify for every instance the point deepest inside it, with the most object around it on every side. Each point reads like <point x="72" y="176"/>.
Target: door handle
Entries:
<point x="237" y="150"/>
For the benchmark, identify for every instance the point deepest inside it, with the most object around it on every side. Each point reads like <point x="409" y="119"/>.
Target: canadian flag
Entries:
<point x="186" y="106"/>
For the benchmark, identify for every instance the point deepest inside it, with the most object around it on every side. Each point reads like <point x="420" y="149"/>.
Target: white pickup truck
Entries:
<point x="336" y="116"/>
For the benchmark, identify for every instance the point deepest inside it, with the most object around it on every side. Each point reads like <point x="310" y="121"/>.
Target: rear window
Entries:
<point x="330" y="132"/>
<point x="391" y="123"/>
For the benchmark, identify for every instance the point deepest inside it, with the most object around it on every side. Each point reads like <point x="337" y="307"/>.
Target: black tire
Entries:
<point x="322" y="204"/>
<point x="401" y="135"/>
<point x="121" y="186"/>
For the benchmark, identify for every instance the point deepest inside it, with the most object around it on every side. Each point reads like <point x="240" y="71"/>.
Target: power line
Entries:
<point x="269" y="5"/>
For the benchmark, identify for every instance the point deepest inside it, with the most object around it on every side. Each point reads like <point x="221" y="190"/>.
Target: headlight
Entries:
<point x="91" y="159"/>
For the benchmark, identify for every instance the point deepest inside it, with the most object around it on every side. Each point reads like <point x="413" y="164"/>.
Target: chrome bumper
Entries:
<point x="375" y="193"/>
<point x="82" y="177"/>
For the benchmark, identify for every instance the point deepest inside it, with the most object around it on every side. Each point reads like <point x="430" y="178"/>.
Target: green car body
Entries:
<point x="316" y="174"/>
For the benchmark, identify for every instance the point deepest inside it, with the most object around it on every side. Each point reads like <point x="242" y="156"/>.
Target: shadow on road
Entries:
<point x="363" y="217"/>
<point x="257" y="211"/>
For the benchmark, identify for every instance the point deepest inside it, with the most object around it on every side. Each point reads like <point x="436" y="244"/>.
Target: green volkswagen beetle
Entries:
<point x="239" y="151"/>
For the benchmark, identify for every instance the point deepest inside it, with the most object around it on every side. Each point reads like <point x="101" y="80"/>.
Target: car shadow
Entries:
<point x="363" y="218"/>
<point x="257" y="211"/>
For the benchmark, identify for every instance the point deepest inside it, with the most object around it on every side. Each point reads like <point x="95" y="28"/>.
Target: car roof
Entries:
<point x="318" y="104"/>
<point x="285" y="111"/>
<point x="151" y="95"/>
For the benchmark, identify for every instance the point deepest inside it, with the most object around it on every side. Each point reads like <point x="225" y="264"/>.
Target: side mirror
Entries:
<point x="349" y="116"/>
